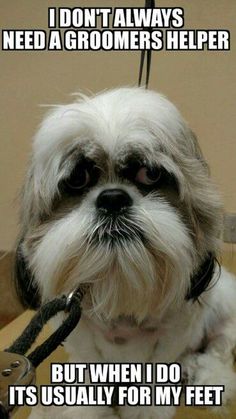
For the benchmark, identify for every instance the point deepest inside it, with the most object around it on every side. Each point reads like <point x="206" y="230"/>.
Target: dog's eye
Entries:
<point x="78" y="179"/>
<point x="147" y="176"/>
<point x="84" y="175"/>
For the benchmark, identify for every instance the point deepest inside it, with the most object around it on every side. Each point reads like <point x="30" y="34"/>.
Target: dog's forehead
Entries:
<point x="115" y="121"/>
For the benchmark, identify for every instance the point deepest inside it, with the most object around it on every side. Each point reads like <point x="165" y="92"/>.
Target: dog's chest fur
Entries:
<point x="123" y="341"/>
<point x="125" y="329"/>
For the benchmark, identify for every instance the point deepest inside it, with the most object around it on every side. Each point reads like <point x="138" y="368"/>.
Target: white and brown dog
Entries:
<point x="119" y="198"/>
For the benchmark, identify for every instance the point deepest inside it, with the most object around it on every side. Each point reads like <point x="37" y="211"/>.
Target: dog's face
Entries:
<point x="119" y="198"/>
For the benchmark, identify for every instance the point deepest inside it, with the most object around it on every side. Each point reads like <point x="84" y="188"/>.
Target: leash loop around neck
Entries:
<point x="148" y="53"/>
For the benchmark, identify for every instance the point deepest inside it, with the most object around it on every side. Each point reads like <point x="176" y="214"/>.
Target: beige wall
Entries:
<point x="202" y="84"/>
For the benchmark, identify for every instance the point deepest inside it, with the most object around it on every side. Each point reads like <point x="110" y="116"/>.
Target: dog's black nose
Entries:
<point x="113" y="200"/>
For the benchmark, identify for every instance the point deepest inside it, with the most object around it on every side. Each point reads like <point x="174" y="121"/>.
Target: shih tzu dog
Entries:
<point x="118" y="199"/>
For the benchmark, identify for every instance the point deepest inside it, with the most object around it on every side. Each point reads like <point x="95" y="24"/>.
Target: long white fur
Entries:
<point x="131" y="280"/>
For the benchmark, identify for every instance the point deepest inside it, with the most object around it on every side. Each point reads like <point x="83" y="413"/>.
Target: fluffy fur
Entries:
<point x="147" y="298"/>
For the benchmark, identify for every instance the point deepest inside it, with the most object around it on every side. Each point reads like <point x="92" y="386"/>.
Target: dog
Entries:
<point x="118" y="199"/>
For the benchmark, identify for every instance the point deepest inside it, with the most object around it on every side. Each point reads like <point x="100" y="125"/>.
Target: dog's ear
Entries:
<point x="202" y="279"/>
<point x="26" y="288"/>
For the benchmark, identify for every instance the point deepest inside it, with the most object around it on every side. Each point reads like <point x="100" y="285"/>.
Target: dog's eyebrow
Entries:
<point x="70" y="153"/>
<point x="86" y="149"/>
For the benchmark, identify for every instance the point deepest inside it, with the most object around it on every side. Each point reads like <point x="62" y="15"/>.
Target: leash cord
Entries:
<point x="23" y="343"/>
<point x="148" y="4"/>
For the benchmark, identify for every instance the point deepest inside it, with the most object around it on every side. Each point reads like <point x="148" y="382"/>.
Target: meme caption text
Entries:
<point x="82" y="29"/>
<point x="132" y="384"/>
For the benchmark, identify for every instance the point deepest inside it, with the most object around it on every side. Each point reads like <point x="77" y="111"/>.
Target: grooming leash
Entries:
<point x="18" y="369"/>
<point x="149" y="4"/>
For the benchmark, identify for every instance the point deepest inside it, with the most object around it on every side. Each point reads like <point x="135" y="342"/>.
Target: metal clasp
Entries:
<point x="14" y="370"/>
<point x="79" y="292"/>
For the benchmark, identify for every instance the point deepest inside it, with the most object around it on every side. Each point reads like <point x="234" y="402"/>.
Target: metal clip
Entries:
<point x="14" y="370"/>
<point x="79" y="292"/>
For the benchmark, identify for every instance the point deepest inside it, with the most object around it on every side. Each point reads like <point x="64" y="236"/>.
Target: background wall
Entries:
<point x="201" y="84"/>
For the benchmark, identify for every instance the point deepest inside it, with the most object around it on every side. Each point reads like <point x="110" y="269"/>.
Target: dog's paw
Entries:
<point x="208" y="370"/>
<point x="147" y="412"/>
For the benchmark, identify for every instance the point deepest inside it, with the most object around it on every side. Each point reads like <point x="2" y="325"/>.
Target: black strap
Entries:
<point x="201" y="280"/>
<point x="23" y="343"/>
<point x="148" y="4"/>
